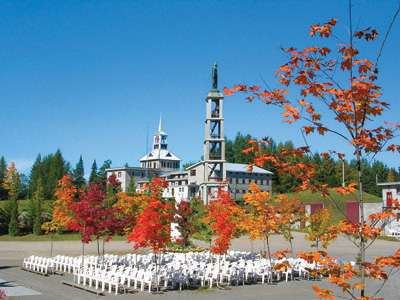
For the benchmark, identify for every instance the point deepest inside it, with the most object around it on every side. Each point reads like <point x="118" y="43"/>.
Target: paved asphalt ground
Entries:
<point x="24" y="285"/>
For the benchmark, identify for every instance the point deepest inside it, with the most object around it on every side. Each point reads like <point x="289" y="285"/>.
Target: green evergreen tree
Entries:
<point x="47" y="186"/>
<point x="56" y="172"/>
<point x="94" y="176"/>
<point x="79" y="173"/>
<point x="229" y="156"/>
<point x="67" y="168"/>
<point x="38" y="203"/>
<point x="36" y="173"/>
<point x="24" y="187"/>
<point x="4" y="218"/>
<point x="30" y="214"/>
<point x="102" y="171"/>
<point x="131" y="189"/>
<point x="3" y="170"/>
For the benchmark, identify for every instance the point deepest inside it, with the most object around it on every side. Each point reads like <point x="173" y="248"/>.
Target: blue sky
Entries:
<point x="90" y="77"/>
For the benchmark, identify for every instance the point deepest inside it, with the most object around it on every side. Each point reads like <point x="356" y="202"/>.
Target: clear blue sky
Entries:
<point x="89" y="77"/>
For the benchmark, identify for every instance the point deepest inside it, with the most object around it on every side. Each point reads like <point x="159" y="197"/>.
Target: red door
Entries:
<point x="389" y="199"/>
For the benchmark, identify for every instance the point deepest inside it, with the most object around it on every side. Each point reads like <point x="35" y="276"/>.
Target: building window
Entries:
<point x="119" y="174"/>
<point x="230" y="180"/>
<point x="244" y="192"/>
<point x="237" y="191"/>
<point x="192" y="172"/>
<point x="243" y="180"/>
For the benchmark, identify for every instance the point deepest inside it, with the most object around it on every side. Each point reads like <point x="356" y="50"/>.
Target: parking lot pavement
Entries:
<point x="48" y="288"/>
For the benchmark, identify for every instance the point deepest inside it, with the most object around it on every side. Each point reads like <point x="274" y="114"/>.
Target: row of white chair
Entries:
<point x="177" y="270"/>
<point x="39" y="264"/>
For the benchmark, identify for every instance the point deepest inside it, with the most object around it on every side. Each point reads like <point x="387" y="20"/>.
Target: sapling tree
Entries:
<point x="338" y="95"/>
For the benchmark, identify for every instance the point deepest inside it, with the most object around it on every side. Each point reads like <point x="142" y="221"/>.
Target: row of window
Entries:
<point x="244" y="181"/>
<point x="178" y="176"/>
<point x="244" y="174"/>
<point x="131" y="174"/>
<point x="181" y="190"/>
<point x="170" y="164"/>
<point x="134" y="174"/>
<point x="178" y="183"/>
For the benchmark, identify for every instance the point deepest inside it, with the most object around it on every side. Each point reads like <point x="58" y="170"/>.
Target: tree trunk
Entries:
<point x="361" y="207"/>
<point x="51" y="247"/>
<point x="269" y="252"/>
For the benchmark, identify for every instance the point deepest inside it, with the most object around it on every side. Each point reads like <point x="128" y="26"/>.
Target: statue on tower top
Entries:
<point x="215" y="78"/>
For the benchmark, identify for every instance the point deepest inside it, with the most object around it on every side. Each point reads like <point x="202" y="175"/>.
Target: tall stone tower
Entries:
<point x="214" y="143"/>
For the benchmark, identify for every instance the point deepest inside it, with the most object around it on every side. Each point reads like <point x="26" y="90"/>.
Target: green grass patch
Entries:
<point x="388" y="238"/>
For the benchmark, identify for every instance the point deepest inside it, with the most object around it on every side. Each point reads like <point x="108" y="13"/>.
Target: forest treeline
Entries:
<point x="38" y="186"/>
<point x="49" y="170"/>
<point x="52" y="167"/>
<point x="330" y="171"/>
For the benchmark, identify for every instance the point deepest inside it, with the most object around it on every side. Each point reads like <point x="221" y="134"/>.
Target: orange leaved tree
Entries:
<point x="261" y="221"/>
<point x="337" y="94"/>
<point x="129" y="209"/>
<point x="66" y="194"/>
<point x="225" y="216"/>
<point x="12" y="183"/>
<point x="153" y="226"/>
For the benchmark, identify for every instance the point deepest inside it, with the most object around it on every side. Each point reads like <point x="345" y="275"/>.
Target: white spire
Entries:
<point x="160" y="125"/>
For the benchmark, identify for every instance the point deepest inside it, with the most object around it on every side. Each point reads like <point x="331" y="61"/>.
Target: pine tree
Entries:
<point x="3" y="171"/>
<point x="38" y="201"/>
<point x="79" y="173"/>
<point x="46" y="165"/>
<point x="36" y="173"/>
<point x="102" y="172"/>
<point x="30" y="214"/>
<point x="67" y="168"/>
<point x="56" y="172"/>
<point x="131" y="189"/>
<point x="94" y="176"/>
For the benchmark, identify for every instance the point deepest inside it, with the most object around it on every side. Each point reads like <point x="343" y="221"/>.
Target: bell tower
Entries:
<point x="214" y="143"/>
